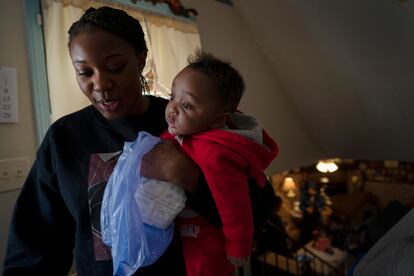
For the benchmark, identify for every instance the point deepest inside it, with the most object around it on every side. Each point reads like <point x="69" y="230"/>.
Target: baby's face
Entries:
<point x="194" y="105"/>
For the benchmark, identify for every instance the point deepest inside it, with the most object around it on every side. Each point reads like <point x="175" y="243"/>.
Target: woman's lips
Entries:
<point x="108" y="105"/>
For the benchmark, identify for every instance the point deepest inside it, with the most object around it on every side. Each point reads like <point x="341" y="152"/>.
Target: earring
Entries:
<point x="144" y="84"/>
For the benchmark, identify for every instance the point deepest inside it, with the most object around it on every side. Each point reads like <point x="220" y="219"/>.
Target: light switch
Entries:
<point x="13" y="173"/>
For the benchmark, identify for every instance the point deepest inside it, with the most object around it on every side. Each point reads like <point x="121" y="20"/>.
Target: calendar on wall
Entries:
<point x="8" y="95"/>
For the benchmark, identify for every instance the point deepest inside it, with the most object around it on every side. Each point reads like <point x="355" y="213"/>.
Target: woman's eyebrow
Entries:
<point x="106" y="58"/>
<point x="114" y="56"/>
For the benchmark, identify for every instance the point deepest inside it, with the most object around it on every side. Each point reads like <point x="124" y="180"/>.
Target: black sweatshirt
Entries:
<point x="57" y="213"/>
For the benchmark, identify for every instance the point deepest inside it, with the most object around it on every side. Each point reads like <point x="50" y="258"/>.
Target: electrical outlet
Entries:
<point x="13" y="172"/>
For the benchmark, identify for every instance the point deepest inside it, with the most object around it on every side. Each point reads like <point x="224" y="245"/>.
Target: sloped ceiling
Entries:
<point x="347" y="67"/>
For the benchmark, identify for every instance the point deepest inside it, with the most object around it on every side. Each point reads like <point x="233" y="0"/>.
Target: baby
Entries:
<point x="229" y="147"/>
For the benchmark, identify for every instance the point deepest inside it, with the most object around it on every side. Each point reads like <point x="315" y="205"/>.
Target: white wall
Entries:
<point x="17" y="140"/>
<point x="224" y="34"/>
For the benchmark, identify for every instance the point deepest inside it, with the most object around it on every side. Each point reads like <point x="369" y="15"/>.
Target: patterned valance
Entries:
<point x="186" y="26"/>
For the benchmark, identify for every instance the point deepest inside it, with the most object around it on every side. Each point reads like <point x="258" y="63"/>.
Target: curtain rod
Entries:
<point x="160" y="8"/>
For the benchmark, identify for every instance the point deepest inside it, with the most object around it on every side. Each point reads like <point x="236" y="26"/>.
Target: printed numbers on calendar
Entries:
<point x="8" y="95"/>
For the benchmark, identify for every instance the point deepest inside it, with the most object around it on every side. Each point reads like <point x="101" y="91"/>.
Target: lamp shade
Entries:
<point x="289" y="184"/>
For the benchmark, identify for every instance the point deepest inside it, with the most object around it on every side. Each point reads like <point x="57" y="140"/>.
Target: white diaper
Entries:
<point x="159" y="202"/>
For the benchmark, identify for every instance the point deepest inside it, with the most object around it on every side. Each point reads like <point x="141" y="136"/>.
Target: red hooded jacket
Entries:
<point x="227" y="159"/>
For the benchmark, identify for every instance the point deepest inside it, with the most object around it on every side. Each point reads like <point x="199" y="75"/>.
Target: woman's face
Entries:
<point x="107" y="70"/>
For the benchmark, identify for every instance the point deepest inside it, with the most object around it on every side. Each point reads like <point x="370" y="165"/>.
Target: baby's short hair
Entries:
<point x="229" y="82"/>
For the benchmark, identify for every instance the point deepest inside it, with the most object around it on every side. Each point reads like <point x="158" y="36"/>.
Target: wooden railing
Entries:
<point x="299" y="260"/>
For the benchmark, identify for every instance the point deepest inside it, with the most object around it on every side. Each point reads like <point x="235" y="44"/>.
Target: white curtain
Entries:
<point x="170" y="50"/>
<point x="170" y="41"/>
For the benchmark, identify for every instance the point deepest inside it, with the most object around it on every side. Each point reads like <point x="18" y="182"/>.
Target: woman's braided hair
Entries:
<point x="229" y="82"/>
<point x="116" y="22"/>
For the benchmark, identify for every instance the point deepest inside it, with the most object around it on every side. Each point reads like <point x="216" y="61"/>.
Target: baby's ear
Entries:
<point x="221" y="120"/>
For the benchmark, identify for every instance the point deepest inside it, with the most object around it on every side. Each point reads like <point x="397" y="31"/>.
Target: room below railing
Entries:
<point x="293" y="259"/>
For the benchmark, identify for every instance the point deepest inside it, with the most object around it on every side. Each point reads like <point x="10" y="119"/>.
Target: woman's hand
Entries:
<point x="166" y="162"/>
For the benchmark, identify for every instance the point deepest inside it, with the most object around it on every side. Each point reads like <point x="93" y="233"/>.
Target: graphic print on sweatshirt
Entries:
<point x="101" y="166"/>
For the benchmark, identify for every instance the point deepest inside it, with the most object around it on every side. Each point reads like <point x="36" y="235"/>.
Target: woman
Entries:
<point x="57" y="213"/>
<point x="58" y="210"/>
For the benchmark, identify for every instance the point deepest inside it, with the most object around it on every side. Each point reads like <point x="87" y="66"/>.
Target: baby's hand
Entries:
<point x="238" y="261"/>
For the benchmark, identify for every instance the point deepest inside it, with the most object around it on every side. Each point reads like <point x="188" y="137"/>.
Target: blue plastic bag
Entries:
<point x="133" y="243"/>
